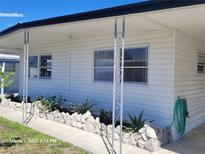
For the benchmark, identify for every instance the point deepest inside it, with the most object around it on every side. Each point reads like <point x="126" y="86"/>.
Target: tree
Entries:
<point x="6" y="76"/>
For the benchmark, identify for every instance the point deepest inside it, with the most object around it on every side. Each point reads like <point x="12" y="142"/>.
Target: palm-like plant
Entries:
<point x="86" y="105"/>
<point x="135" y="123"/>
<point x="105" y="116"/>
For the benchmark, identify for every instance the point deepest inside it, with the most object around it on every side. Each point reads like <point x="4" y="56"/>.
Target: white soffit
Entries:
<point x="190" y="20"/>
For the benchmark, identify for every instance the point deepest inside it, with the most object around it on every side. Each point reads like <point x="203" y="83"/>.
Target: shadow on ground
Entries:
<point x="192" y="143"/>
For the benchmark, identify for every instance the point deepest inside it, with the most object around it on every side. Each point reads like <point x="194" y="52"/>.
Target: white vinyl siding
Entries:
<point x="188" y="82"/>
<point x="58" y="84"/>
<point x="154" y="97"/>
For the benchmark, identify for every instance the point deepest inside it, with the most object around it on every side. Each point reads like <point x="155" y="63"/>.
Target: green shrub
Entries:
<point x="86" y="105"/>
<point x="105" y="116"/>
<point x="17" y="98"/>
<point x="135" y="123"/>
<point x="50" y="106"/>
<point x="6" y="76"/>
<point x="58" y="101"/>
<point x="52" y="103"/>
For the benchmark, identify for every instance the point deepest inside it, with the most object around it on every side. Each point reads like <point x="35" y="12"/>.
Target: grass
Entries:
<point x="16" y="138"/>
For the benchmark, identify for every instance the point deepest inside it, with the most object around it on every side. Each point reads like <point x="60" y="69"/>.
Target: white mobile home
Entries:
<point x="72" y="56"/>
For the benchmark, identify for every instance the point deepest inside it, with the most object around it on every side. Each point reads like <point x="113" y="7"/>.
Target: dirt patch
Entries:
<point x="2" y="128"/>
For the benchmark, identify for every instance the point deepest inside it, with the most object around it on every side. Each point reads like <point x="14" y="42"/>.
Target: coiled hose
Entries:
<point x="180" y="115"/>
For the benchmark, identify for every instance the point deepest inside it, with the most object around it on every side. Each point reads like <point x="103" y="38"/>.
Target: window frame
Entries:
<point x="126" y="47"/>
<point x="45" y="66"/>
<point x="94" y="67"/>
<point x="37" y="61"/>
<point x="8" y="63"/>
<point x="34" y="67"/>
<point x="147" y="67"/>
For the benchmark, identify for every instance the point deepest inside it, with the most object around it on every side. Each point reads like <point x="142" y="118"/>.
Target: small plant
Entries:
<point x="86" y="105"/>
<point x="52" y="103"/>
<point x="39" y="98"/>
<point x="105" y="116"/>
<point x="17" y="98"/>
<point x="50" y="106"/>
<point x="135" y="123"/>
<point x="6" y="76"/>
<point x="60" y="103"/>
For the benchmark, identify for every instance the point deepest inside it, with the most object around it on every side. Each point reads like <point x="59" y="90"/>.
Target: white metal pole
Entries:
<point x="2" y="80"/>
<point x="114" y="86"/>
<point x="122" y="83"/>
<point x="24" y="75"/>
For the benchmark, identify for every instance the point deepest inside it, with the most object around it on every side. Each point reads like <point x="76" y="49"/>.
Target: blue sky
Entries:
<point x="14" y="11"/>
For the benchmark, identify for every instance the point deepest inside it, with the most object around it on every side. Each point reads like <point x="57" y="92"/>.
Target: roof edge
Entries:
<point x="139" y="7"/>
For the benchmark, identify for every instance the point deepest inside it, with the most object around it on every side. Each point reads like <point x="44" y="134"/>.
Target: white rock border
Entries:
<point x="146" y="137"/>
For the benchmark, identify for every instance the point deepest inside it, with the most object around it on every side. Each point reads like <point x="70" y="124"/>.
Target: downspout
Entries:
<point x="173" y="84"/>
<point x="69" y="58"/>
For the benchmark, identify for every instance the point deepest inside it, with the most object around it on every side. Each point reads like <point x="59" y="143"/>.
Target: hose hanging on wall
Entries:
<point x="180" y="115"/>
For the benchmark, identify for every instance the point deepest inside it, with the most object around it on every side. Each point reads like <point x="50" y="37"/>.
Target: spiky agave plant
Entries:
<point x="86" y="105"/>
<point x="135" y="123"/>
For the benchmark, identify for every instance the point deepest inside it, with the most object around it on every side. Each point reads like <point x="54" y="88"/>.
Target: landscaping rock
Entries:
<point x="126" y="137"/>
<point x="87" y="115"/>
<point x="141" y="143"/>
<point x="142" y="130"/>
<point x="149" y="132"/>
<point x="68" y="121"/>
<point x="88" y="127"/>
<point x="146" y="137"/>
<point x="132" y="139"/>
<point x="152" y="145"/>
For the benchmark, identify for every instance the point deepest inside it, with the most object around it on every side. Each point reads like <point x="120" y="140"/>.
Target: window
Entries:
<point x="45" y="66"/>
<point x="201" y="62"/>
<point x="33" y="66"/>
<point x="33" y="61"/>
<point x="136" y="65"/>
<point x="9" y="67"/>
<point x="103" y="65"/>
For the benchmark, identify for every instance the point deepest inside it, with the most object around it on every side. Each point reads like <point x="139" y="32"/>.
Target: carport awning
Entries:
<point x="190" y="20"/>
<point x="185" y="16"/>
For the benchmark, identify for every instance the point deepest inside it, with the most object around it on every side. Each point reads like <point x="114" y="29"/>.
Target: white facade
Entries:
<point x="188" y="82"/>
<point x="172" y="72"/>
<point x="154" y="98"/>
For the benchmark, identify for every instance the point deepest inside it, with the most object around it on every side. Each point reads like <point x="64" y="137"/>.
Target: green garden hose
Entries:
<point x="180" y="115"/>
